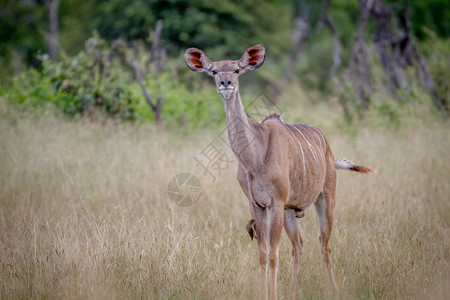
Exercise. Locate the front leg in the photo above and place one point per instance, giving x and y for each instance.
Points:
(275, 231)
(251, 224)
(262, 237)
(258, 227)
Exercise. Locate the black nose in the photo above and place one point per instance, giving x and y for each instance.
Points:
(223, 82)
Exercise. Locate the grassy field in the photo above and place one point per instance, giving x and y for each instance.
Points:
(84, 214)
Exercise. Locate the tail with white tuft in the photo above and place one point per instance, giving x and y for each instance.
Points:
(345, 164)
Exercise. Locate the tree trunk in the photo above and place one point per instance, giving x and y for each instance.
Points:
(440, 103)
(385, 42)
(337, 47)
(52, 7)
(300, 33)
(409, 53)
(359, 72)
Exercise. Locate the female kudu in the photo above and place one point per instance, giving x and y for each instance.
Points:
(283, 168)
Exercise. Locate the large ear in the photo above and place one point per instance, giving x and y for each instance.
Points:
(197, 61)
(253, 58)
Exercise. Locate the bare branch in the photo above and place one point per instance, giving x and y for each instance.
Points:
(359, 72)
(156, 107)
(411, 53)
(300, 34)
(155, 51)
(138, 74)
(384, 41)
(396, 53)
(337, 47)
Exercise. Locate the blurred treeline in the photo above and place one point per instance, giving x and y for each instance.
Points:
(125, 58)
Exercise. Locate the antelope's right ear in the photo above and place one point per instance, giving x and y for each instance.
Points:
(197, 61)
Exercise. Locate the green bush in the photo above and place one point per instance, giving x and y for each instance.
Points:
(92, 79)
(96, 80)
(30, 91)
(180, 105)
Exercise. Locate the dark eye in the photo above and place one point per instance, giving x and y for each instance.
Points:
(214, 72)
(236, 71)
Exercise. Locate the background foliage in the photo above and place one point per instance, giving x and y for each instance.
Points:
(88, 77)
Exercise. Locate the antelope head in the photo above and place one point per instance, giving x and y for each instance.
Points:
(226, 72)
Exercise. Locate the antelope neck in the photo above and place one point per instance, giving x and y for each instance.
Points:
(242, 133)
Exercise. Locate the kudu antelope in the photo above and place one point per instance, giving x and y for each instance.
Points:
(283, 169)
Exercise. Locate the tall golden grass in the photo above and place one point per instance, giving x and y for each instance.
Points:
(84, 214)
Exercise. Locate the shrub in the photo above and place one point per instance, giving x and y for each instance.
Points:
(96, 80)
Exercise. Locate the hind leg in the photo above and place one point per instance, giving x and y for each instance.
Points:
(291, 227)
(324, 205)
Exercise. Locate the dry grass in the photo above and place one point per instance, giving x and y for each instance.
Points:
(84, 214)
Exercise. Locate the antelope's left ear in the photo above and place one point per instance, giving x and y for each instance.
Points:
(197, 61)
(253, 58)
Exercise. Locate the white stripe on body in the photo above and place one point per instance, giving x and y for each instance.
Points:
(309, 144)
(301, 148)
(321, 137)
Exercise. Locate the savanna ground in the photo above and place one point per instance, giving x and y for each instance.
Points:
(84, 214)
